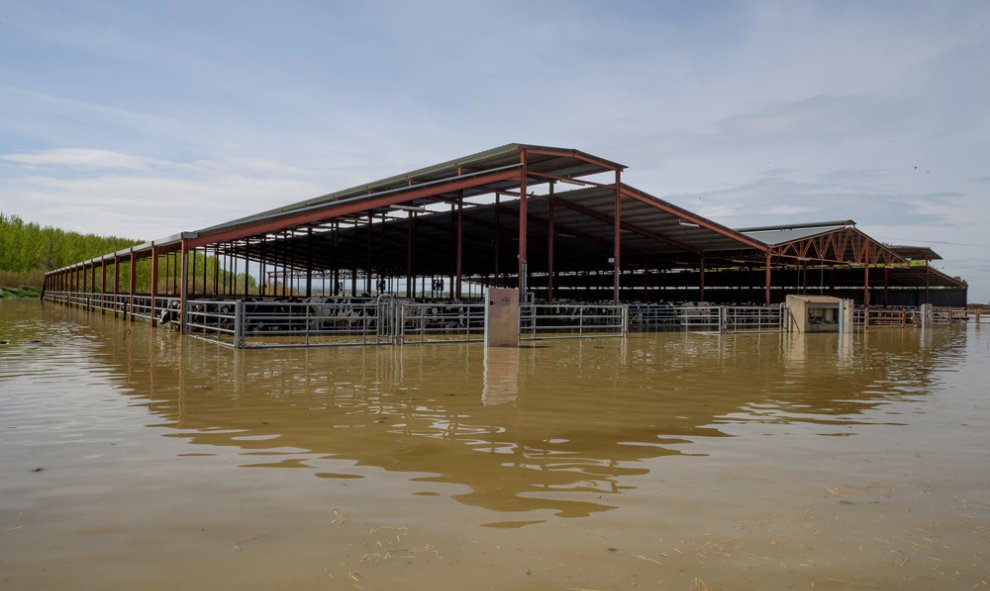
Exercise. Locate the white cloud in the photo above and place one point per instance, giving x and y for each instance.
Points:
(84, 158)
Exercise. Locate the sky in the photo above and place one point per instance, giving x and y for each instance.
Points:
(143, 119)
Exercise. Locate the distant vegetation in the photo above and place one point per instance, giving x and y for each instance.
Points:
(27, 247)
(28, 250)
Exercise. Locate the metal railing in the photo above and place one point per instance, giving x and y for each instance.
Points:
(545, 321)
(741, 318)
(424, 322)
(138, 306)
(335, 321)
(703, 316)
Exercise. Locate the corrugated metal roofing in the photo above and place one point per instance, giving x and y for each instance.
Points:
(775, 235)
(566, 162)
(920, 253)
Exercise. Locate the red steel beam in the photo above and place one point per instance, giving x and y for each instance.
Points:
(604, 217)
(563, 229)
(564, 179)
(577, 156)
(694, 219)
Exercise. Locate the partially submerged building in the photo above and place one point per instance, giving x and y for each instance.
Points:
(558, 224)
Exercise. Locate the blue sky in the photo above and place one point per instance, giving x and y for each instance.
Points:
(142, 119)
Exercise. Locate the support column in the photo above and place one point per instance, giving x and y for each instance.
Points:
(769, 260)
(498, 238)
(116, 285)
(247, 266)
(410, 247)
(460, 247)
(262, 277)
(701, 280)
(92, 285)
(154, 283)
(522, 227)
(132, 287)
(103, 286)
(617, 240)
(866, 281)
(551, 239)
(216, 270)
(886, 284)
(309, 262)
(183, 286)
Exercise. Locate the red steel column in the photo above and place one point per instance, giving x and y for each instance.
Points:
(154, 281)
(701, 283)
(522, 225)
(769, 257)
(885, 284)
(367, 271)
(498, 237)
(866, 281)
(551, 239)
(183, 285)
(116, 284)
(410, 245)
(92, 285)
(132, 287)
(460, 246)
(103, 286)
(617, 240)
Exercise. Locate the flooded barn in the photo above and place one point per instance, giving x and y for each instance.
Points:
(408, 259)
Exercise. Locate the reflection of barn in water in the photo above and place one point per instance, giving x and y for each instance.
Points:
(557, 445)
(407, 258)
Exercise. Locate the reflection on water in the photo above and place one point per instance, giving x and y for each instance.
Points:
(687, 432)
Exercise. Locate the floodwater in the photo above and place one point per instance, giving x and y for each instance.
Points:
(133, 459)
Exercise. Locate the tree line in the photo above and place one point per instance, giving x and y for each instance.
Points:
(28, 246)
(28, 250)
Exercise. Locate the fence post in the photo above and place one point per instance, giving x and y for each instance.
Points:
(238, 324)
(625, 320)
(723, 319)
(399, 322)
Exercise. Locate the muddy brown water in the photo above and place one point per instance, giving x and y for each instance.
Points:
(133, 459)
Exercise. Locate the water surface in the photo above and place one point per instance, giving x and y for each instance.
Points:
(136, 459)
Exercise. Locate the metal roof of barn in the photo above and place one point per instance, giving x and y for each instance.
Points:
(542, 162)
(776, 235)
(916, 253)
(834, 241)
